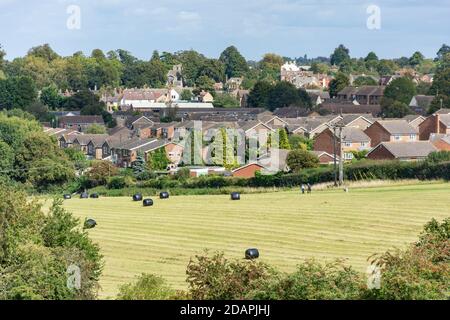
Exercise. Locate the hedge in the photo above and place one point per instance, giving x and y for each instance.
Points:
(364, 170)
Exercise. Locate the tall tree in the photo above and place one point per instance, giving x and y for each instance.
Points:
(445, 49)
(285, 94)
(44, 51)
(416, 59)
(17, 92)
(340, 55)
(235, 63)
(338, 83)
(401, 89)
(51, 98)
(259, 95)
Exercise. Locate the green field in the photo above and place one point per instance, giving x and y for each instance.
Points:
(286, 226)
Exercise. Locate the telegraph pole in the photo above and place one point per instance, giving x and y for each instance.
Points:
(341, 158)
(338, 172)
(335, 157)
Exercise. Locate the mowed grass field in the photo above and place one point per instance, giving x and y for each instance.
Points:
(286, 227)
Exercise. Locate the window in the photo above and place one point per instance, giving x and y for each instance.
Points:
(396, 137)
(348, 144)
(363, 144)
(348, 156)
(412, 137)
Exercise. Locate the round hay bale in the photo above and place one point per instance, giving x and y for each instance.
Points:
(164, 195)
(90, 224)
(252, 254)
(235, 196)
(84, 195)
(137, 197)
(67, 197)
(148, 202)
(94, 196)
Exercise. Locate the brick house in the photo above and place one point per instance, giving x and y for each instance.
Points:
(364, 95)
(308, 127)
(324, 157)
(126, 153)
(391, 131)
(440, 141)
(404, 151)
(123, 155)
(436, 123)
(420, 103)
(414, 120)
(354, 140)
(80, 123)
(163, 131)
(248, 171)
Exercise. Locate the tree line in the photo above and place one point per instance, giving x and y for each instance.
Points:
(42, 74)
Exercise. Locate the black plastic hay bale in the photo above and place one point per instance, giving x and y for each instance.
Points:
(235, 196)
(84, 195)
(252, 254)
(94, 196)
(164, 195)
(67, 197)
(90, 224)
(137, 197)
(148, 202)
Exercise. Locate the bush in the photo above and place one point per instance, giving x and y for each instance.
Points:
(315, 281)
(119, 182)
(439, 156)
(147, 287)
(301, 159)
(100, 172)
(216, 278)
(421, 272)
(37, 248)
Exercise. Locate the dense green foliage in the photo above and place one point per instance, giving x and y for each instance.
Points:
(30, 156)
(278, 95)
(147, 287)
(299, 159)
(37, 248)
(338, 83)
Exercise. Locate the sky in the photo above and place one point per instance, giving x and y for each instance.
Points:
(290, 28)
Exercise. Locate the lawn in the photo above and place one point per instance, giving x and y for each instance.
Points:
(286, 226)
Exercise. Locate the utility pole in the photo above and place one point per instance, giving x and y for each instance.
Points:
(335, 157)
(341, 158)
(338, 172)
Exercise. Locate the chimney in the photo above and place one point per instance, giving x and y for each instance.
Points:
(438, 123)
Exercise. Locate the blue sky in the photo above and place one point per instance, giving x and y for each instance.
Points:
(288, 27)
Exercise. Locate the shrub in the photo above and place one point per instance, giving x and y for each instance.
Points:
(301, 159)
(119, 182)
(314, 281)
(439, 156)
(421, 272)
(37, 248)
(100, 172)
(216, 278)
(146, 287)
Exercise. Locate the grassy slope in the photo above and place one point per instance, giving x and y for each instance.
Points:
(285, 226)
